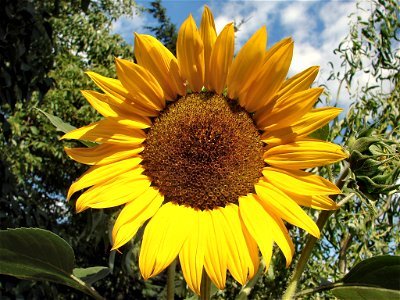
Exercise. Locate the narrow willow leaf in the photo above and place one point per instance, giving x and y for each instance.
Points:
(37, 254)
(63, 126)
(321, 133)
(57, 122)
(92, 274)
(364, 293)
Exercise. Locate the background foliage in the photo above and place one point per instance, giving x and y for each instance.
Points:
(55, 42)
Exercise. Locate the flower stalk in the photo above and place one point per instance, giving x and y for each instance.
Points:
(205, 287)
(171, 281)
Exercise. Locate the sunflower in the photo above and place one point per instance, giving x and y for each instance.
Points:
(209, 150)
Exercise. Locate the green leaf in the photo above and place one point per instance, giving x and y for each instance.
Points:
(92, 274)
(364, 293)
(321, 133)
(57, 122)
(380, 271)
(63, 126)
(37, 254)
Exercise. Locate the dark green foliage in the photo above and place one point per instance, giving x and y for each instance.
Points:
(25, 51)
(165, 31)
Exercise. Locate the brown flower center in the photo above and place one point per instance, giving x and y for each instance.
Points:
(203, 151)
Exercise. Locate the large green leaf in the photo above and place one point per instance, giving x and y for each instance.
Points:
(364, 293)
(37, 254)
(380, 271)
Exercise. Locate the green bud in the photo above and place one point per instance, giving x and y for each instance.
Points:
(375, 163)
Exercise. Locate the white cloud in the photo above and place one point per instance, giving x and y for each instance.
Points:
(254, 14)
(126, 26)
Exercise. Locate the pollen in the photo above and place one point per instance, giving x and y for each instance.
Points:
(203, 151)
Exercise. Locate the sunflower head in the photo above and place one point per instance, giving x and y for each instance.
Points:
(210, 148)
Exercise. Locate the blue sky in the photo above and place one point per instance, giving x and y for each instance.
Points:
(317, 27)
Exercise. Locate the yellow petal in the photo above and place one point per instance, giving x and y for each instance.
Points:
(257, 224)
(289, 110)
(110, 131)
(193, 250)
(247, 63)
(221, 59)
(119, 95)
(299, 82)
(133, 216)
(283, 206)
(307, 124)
(114, 192)
(262, 223)
(303, 154)
(141, 85)
(112, 87)
(317, 202)
(215, 259)
(240, 263)
(299, 182)
(253, 250)
(163, 238)
(269, 79)
(101, 103)
(162, 64)
(102, 154)
(190, 53)
(276, 47)
(100, 174)
(208, 35)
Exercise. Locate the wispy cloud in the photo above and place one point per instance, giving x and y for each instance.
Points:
(126, 26)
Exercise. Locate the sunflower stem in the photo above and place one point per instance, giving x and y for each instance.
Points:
(306, 253)
(205, 287)
(171, 281)
(304, 257)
